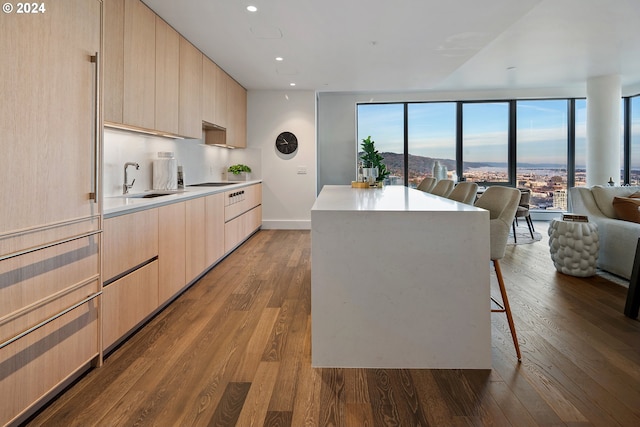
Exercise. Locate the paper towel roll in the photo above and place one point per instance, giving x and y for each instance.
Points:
(165, 172)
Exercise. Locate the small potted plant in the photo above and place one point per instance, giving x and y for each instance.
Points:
(374, 166)
(240, 172)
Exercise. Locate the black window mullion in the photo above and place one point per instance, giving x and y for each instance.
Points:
(627, 140)
(459, 160)
(511, 154)
(406, 144)
(571, 143)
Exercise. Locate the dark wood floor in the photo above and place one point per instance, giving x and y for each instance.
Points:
(235, 350)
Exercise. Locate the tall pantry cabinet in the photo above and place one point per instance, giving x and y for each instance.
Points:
(50, 214)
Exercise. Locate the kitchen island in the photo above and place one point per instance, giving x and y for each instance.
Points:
(399, 279)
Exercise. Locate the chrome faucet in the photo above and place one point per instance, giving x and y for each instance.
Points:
(126, 187)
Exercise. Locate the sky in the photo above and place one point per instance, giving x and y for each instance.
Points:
(541, 134)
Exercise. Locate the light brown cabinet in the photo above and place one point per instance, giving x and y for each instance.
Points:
(130, 61)
(130, 273)
(214, 228)
(113, 97)
(49, 216)
(127, 302)
(243, 214)
(236, 114)
(139, 102)
(195, 238)
(167, 77)
(209, 91)
(190, 93)
(129, 241)
(171, 250)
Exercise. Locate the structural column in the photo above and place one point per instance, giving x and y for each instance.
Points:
(603, 129)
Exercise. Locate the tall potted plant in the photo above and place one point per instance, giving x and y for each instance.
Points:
(373, 165)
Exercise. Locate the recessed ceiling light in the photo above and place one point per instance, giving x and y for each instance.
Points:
(279, 58)
(292, 84)
(252, 8)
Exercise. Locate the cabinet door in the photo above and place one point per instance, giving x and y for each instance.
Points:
(237, 115)
(214, 228)
(129, 240)
(48, 114)
(222, 81)
(190, 104)
(113, 57)
(171, 250)
(167, 77)
(139, 65)
(209, 84)
(127, 302)
(195, 238)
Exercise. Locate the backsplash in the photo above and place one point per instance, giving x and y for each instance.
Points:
(200, 162)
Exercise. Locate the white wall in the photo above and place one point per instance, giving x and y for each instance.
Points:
(201, 163)
(287, 196)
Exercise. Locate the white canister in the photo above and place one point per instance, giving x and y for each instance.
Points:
(165, 172)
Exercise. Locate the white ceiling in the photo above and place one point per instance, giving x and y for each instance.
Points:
(413, 45)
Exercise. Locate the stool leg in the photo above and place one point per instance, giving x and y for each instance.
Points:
(507, 308)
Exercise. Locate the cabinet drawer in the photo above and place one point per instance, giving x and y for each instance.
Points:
(34, 365)
(238, 229)
(39, 284)
(127, 301)
(241, 200)
(129, 240)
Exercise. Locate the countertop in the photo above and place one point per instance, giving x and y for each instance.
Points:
(391, 198)
(124, 204)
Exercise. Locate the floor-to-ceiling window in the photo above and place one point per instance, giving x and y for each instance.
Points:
(541, 159)
(580, 119)
(634, 138)
(485, 142)
(431, 136)
(384, 123)
(539, 144)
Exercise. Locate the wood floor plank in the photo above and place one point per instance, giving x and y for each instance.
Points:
(235, 349)
(256, 404)
(230, 405)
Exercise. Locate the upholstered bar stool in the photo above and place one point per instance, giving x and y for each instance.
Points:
(502, 203)
(464, 192)
(443, 188)
(427, 184)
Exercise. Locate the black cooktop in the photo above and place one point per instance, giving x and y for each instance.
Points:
(212, 184)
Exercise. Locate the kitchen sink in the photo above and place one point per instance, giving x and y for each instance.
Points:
(150, 195)
(212, 184)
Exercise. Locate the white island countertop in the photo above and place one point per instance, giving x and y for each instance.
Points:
(399, 279)
(391, 198)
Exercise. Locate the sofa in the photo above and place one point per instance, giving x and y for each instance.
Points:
(618, 237)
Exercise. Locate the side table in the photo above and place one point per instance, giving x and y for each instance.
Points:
(574, 247)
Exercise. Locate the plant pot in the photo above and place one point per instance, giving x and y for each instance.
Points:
(242, 176)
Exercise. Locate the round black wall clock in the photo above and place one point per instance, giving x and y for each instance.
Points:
(286, 143)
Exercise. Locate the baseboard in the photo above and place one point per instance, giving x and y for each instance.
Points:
(286, 224)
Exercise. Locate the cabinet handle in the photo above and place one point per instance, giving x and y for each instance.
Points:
(97, 127)
(48, 245)
(49, 320)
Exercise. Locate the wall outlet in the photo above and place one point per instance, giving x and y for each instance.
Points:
(302, 170)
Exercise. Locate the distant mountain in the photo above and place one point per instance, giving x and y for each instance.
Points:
(419, 164)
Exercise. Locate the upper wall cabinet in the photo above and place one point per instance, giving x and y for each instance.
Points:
(209, 91)
(167, 77)
(113, 60)
(130, 62)
(236, 114)
(190, 103)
